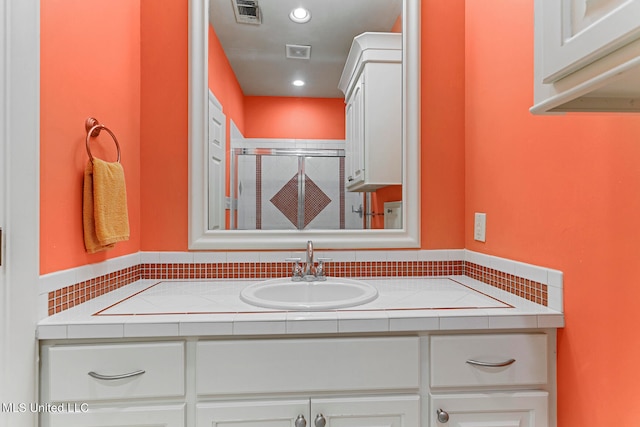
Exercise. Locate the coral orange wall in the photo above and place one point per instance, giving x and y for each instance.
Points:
(224, 85)
(397, 26)
(90, 66)
(442, 123)
(157, 166)
(164, 125)
(392, 193)
(562, 192)
(295, 118)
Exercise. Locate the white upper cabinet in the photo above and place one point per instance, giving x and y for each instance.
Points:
(578, 32)
(587, 55)
(372, 84)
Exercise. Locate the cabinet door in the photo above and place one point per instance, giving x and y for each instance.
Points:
(280, 413)
(86, 416)
(348, 151)
(392, 411)
(354, 154)
(507, 409)
(578, 32)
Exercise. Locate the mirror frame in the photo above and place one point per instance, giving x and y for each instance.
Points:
(201, 238)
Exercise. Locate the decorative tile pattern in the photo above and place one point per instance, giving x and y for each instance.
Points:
(315, 200)
(342, 197)
(70, 296)
(286, 200)
(525, 288)
(258, 192)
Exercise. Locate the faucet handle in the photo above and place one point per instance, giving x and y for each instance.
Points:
(296, 272)
(320, 269)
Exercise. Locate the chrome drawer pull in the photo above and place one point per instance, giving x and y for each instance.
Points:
(300, 421)
(491, 365)
(115, 377)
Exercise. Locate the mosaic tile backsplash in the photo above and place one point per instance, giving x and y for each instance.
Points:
(70, 296)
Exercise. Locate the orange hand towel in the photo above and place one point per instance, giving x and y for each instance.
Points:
(104, 207)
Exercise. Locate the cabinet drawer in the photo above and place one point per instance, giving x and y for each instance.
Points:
(119, 416)
(307, 365)
(505, 409)
(488, 360)
(73, 373)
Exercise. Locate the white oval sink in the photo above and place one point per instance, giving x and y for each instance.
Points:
(285, 294)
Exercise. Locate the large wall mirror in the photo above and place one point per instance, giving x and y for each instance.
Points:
(275, 189)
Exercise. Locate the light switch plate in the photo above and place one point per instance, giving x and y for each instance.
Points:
(480, 227)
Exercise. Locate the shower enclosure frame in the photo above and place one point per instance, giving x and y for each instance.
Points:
(301, 153)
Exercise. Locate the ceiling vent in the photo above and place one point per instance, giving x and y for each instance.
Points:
(297, 51)
(247, 12)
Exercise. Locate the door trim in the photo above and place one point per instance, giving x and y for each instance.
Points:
(20, 111)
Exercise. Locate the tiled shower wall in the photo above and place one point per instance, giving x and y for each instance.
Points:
(63, 290)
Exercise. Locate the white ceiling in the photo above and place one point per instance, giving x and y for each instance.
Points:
(257, 52)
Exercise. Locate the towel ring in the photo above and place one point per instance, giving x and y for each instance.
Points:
(93, 129)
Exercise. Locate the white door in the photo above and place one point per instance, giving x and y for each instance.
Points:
(515, 409)
(19, 205)
(391, 411)
(277, 413)
(216, 149)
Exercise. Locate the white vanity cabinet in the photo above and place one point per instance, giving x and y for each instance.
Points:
(306, 365)
(119, 416)
(412, 379)
(113, 385)
(390, 411)
(486, 380)
(372, 84)
(253, 413)
(587, 55)
(513, 409)
(343, 382)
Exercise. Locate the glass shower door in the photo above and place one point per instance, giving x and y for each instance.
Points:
(279, 189)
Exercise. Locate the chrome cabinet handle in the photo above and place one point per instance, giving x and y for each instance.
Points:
(300, 421)
(320, 421)
(115, 377)
(443, 416)
(489, 364)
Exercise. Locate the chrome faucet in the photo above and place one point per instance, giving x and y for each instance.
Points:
(308, 272)
(309, 269)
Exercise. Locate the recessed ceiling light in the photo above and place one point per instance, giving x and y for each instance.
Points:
(297, 83)
(300, 15)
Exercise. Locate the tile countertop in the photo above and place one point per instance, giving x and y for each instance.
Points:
(179, 308)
